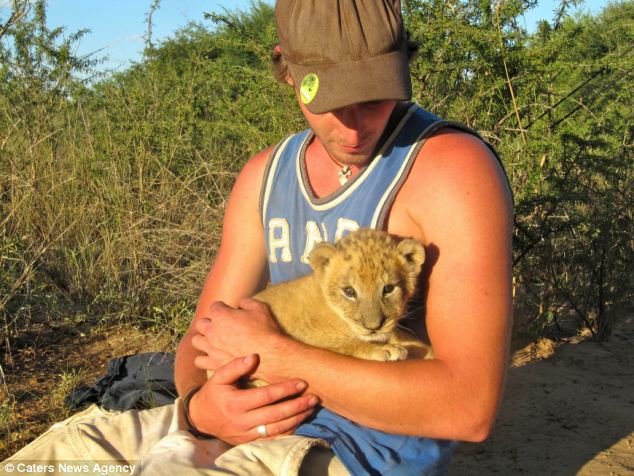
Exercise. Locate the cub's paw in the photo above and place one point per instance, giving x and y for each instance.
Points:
(389, 352)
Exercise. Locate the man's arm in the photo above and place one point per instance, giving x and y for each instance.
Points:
(239, 269)
(220, 408)
(456, 201)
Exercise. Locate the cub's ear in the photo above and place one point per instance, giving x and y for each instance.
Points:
(321, 255)
(414, 254)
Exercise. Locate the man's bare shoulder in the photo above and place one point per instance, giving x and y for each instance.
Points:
(249, 182)
(457, 155)
(252, 173)
(455, 173)
(457, 166)
(243, 204)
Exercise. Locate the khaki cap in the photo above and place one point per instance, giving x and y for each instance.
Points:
(342, 52)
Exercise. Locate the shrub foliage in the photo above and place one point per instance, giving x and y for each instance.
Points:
(112, 186)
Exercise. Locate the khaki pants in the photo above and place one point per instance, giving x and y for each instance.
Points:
(156, 442)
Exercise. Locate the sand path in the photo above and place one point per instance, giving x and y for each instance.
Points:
(568, 409)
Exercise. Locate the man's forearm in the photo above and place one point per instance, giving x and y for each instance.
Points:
(415, 397)
(186, 374)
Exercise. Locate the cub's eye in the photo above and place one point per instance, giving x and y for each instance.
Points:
(387, 289)
(349, 292)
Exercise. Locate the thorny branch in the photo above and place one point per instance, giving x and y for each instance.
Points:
(18, 10)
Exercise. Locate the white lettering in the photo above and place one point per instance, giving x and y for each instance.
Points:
(345, 226)
(33, 468)
(113, 468)
(72, 468)
(313, 236)
(280, 238)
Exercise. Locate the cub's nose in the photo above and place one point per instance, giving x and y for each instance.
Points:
(374, 323)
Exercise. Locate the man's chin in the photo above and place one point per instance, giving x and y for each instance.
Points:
(353, 157)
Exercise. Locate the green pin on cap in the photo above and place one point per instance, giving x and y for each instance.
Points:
(309, 87)
(344, 52)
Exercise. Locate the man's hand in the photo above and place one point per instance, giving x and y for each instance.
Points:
(232, 414)
(229, 333)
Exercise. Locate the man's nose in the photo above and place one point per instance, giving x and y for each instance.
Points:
(351, 116)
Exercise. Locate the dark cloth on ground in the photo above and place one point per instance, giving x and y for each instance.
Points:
(131, 382)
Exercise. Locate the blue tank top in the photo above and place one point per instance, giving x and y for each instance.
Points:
(294, 220)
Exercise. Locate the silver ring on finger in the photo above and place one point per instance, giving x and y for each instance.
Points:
(262, 431)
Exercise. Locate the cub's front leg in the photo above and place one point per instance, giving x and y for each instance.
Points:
(382, 352)
(415, 348)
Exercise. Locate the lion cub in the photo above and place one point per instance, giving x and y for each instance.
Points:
(353, 300)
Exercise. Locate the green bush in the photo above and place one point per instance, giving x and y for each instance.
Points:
(112, 191)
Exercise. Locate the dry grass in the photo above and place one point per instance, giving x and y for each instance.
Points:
(49, 362)
(103, 252)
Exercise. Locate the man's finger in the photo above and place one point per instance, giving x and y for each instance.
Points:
(262, 396)
(282, 410)
(282, 427)
(199, 342)
(219, 306)
(249, 304)
(202, 324)
(203, 362)
(207, 362)
(233, 371)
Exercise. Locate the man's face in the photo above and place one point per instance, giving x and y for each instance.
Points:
(350, 134)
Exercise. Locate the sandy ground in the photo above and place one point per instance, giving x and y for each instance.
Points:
(568, 409)
(32, 385)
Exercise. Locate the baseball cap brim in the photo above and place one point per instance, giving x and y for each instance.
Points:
(383, 77)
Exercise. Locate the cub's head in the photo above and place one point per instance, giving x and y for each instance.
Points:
(367, 278)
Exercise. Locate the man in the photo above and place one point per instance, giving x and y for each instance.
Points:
(369, 160)
(348, 66)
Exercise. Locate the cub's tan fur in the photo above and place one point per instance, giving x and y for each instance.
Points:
(353, 300)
